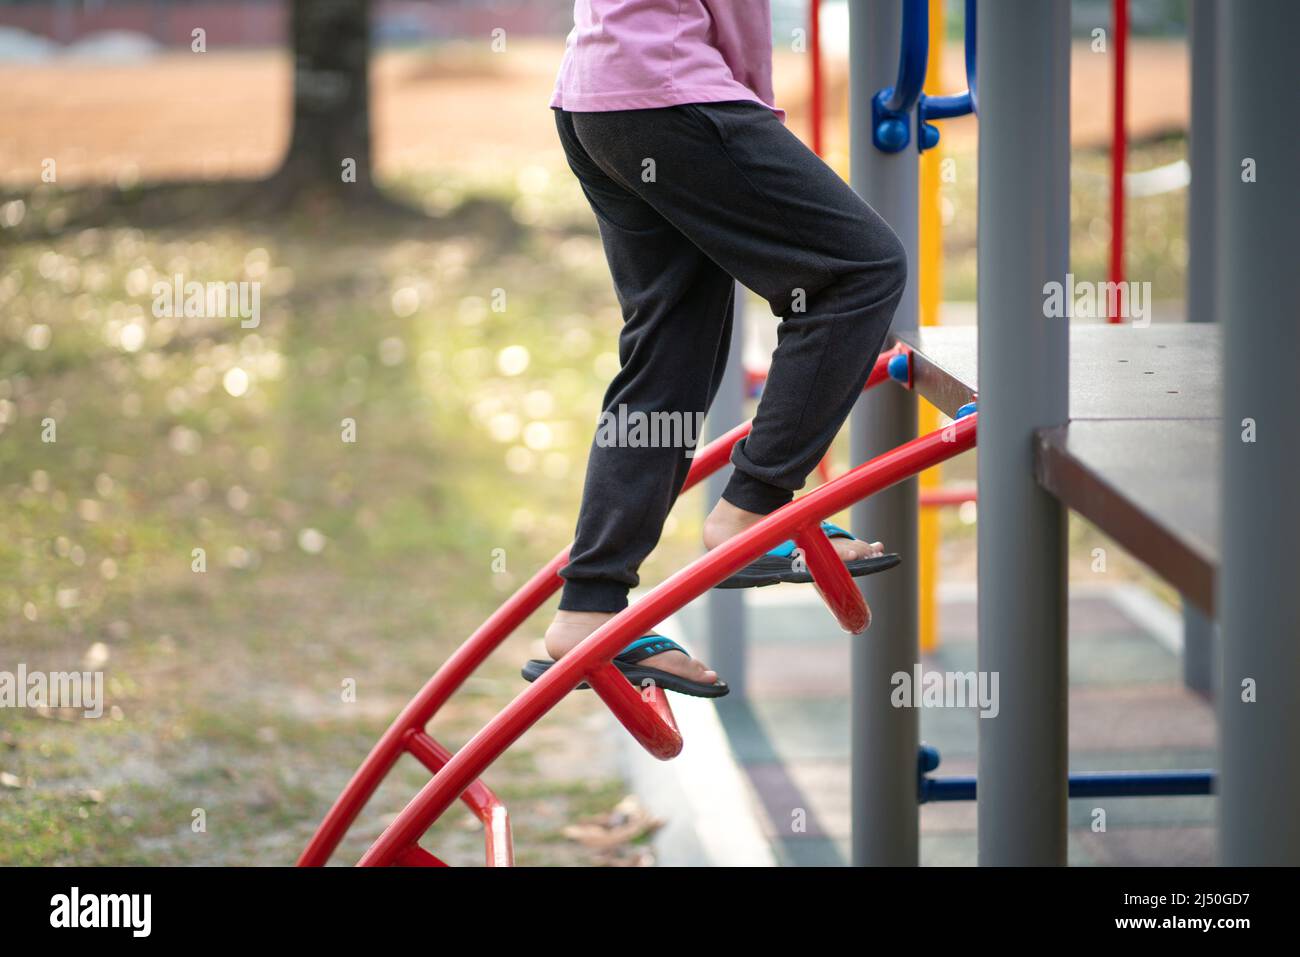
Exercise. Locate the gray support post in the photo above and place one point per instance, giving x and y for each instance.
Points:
(1258, 601)
(884, 739)
(726, 607)
(1200, 642)
(1199, 634)
(1024, 243)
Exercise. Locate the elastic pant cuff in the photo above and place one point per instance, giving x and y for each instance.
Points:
(593, 595)
(753, 495)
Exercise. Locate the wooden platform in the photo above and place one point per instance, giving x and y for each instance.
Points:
(1140, 456)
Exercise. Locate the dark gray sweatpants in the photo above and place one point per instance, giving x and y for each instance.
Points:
(688, 198)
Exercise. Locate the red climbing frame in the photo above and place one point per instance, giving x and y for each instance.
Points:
(644, 712)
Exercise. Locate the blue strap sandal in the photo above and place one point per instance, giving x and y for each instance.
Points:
(778, 565)
(628, 662)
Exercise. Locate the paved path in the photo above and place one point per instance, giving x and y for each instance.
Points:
(1128, 711)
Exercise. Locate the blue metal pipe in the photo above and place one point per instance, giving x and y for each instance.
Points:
(914, 51)
(891, 106)
(1096, 784)
(970, 55)
(947, 107)
(1141, 783)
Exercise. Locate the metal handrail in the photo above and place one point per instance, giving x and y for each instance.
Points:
(1085, 784)
(891, 106)
(948, 107)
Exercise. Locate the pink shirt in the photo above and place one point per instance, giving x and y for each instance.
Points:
(640, 54)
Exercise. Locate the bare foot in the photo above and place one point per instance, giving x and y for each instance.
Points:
(571, 627)
(726, 521)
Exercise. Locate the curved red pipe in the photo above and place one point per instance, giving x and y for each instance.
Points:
(661, 602)
(467, 658)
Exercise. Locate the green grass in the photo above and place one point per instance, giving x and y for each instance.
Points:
(1154, 226)
(326, 562)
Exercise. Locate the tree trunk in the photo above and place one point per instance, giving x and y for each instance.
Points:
(329, 155)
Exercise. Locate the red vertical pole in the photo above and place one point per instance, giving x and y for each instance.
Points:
(1118, 150)
(817, 111)
(815, 65)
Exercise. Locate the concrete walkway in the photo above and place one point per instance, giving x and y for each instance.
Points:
(790, 740)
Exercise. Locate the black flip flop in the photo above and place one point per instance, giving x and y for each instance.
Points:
(627, 660)
(778, 566)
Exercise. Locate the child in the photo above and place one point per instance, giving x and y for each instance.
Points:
(666, 114)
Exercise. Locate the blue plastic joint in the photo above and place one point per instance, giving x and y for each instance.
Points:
(927, 760)
(900, 369)
(891, 107)
(966, 410)
(888, 128)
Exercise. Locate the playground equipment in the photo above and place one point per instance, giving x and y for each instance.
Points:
(816, 87)
(893, 107)
(1118, 141)
(932, 495)
(1062, 429)
(1092, 785)
(644, 712)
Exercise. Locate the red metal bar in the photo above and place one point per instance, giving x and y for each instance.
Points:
(416, 856)
(424, 705)
(643, 711)
(824, 472)
(487, 807)
(709, 459)
(939, 497)
(453, 673)
(499, 626)
(879, 372)
(685, 586)
(817, 106)
(833, 581)
(1118, 152)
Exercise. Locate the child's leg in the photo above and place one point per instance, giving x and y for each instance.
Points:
(677, 308)
(762, 207)
(743, 188)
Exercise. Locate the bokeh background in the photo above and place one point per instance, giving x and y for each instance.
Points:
(453, 302)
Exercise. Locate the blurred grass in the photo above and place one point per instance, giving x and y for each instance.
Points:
(326, 561)
(1155, 227)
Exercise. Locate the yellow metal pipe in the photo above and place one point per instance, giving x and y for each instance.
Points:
(930, 293)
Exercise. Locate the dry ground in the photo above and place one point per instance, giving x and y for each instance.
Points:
(183, 116)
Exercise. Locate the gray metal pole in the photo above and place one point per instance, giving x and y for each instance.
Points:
(884, 740)
(1258, 601)
(1200, 639)
(1202, 228)
(726, 607)
(1200, 645)
(1024, 242)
